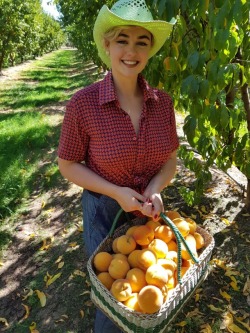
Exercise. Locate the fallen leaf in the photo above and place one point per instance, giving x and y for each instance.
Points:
(41, 297)
(246, 289)
(27, 309)
(225, 295)
(30, 293)
(73, 244)
(235, 329)
(213, 308)
(58, 259)
(4, 321)
(206, 328)
(226, 221)
(182, 323)
(51, 279)
(60, 265)
(82, 313)
(80, 273)
(33, 328)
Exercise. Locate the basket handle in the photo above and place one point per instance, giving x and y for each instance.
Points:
(179, 239)
(119, 213)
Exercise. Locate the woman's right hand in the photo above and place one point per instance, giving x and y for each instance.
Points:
(129, 199)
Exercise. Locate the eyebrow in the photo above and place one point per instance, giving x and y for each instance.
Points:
(140, 37)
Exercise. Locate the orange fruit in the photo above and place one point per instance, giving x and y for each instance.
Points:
(172, 214)
(143, 235)
(125, 244)
(106, 279)
(150, 299)
(132, 302)
(156, 275)
(159, 247)
(121, 290)
(164, 233)
(137, 280)
(102, 261)
(132, 258)
(145, 259)
(118, 268)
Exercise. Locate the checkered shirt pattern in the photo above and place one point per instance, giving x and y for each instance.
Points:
(97, 131)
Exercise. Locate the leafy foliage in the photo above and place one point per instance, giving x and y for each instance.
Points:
(204, 66)
(26, 31)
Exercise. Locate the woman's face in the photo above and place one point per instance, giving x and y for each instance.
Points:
(129, 51)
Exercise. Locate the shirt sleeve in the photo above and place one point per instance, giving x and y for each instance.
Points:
(73, 143)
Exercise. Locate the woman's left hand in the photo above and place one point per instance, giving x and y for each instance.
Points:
(153, 205)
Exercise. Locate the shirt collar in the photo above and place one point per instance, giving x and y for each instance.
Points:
(107, 90)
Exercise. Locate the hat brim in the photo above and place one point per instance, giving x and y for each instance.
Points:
(106, 20)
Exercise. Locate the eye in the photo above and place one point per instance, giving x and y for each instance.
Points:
(121, 41)
(142, 43)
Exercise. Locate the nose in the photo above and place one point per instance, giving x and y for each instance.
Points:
(131, 49)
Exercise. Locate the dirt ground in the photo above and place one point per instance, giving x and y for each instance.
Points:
(53, 222)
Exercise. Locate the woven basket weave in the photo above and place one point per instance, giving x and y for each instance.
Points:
(131, 321)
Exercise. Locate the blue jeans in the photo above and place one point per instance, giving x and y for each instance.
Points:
(98, 215)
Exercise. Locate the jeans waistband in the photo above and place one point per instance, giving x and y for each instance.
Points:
(95, 194)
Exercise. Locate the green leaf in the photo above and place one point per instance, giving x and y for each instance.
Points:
(193, 60)
(204, 89)
(224, 116)
(190, 86)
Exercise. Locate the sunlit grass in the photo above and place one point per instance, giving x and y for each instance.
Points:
(29, 136)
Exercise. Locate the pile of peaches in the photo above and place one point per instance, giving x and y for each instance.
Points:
(141, 271)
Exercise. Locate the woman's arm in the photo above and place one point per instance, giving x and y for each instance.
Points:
(154, 205)
(82, 176)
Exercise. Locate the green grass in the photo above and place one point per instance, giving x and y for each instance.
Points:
(30, 129)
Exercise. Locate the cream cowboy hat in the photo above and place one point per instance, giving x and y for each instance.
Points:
(129, 12)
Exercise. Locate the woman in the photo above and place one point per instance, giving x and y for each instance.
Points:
(118, 138)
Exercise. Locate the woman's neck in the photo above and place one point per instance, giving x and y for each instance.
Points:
(126, 86)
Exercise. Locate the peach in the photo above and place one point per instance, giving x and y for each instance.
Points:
(169, 265)
(159, 247)
(132, 302)
(132, 258)
(172, 214)
(106, 279)
(146, 258)
(114, 245)
(153, 224)
(102, 261)
(172, 255)
(191, 242)
(192, 225)
(164, 233)
(182, 226)
(150, 299)
(131, 230)
(120, 256)
(136, 278)
(200, 242)
(125, 244)
(172, 246)
(121, 290)
(118, 268)
(143, 235)
(156, 275)
(172, 282)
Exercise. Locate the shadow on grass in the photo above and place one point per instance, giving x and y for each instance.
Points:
(54, 81)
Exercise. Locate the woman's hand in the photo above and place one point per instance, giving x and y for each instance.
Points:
(128, 199)
(153, 205)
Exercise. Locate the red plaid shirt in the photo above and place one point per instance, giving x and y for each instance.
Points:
(97, 131)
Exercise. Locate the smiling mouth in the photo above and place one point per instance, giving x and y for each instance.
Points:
(130, 62)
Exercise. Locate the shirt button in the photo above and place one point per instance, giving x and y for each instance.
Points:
(134, 138)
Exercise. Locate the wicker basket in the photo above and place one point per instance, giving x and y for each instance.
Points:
(131, 321)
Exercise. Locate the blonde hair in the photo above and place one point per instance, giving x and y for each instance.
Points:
(114, 32)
